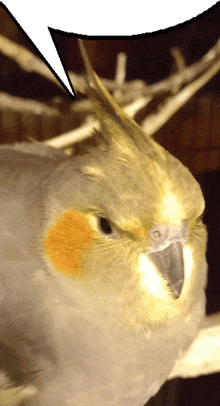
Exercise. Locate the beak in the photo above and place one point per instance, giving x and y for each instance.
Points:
(170, 263)
(166, 252)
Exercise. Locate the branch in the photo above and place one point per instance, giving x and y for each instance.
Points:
(185, 75)
(86, 130)
(155, 121)
(132, 95)
(203, 357)
(26, 106)
(120, 73)
(31, 63)
(207, 67)
(26, 59)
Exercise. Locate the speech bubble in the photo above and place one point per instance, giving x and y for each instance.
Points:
(96, 19)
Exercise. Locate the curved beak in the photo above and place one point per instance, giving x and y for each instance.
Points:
(170, 263)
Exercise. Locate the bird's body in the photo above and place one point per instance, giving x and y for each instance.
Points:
(92, 315)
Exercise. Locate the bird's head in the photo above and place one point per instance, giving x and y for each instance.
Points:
(124, 220)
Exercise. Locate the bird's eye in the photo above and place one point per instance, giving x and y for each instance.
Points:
(105, 226)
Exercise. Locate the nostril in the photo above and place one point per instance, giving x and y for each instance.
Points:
(156, 234)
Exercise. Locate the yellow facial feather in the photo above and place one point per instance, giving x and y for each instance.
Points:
(152, 281)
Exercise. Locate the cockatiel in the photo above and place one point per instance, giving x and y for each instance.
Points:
(103, 265)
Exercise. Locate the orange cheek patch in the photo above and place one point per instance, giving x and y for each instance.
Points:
(65, 242)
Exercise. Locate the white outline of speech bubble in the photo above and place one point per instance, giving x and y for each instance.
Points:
(119, 18)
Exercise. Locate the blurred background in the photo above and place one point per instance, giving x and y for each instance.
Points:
(32, 107)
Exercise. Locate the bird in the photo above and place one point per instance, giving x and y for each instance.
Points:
(103, 263)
